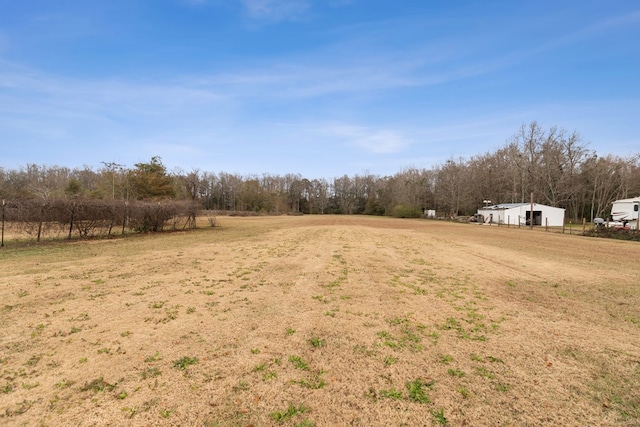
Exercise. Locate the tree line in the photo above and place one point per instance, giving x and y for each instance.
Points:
(552, 163)
(90, 217)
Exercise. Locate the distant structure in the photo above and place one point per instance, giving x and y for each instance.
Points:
(521, 214)
(430, 213)
(626, 212)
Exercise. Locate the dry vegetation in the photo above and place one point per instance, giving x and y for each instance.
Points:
(322, 320)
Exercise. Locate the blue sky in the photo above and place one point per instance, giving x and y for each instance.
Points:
(317, 87)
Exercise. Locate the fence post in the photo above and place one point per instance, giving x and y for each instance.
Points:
(124, 216)
(584, 226)
(73, 211)
(3, 204)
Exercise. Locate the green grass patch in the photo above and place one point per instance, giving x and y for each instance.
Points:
(299, 363)
(438, 417)
(184, 362)
(317, 342)
(98, 384)
(417, 390)
(289, 413)
(391, 393)
(456, 373)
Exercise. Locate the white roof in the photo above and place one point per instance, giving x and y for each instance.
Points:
(505, 206)
(502, 206)
(633, 199)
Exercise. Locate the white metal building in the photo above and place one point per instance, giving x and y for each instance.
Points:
(519, 214)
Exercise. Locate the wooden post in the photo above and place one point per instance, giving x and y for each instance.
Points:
(73, 210)
(3, 205)
(546, 224)
(563, 226)
(508, 220)
(584, 226)
(124, 216)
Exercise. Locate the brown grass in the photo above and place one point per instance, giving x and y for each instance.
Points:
(322, 320)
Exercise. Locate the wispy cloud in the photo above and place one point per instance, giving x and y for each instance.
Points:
(26, 85)
(630, 18)
(377, 141)
(98, 118)
(331, 73)
(276, 10)
(562, 40)
(306, 81)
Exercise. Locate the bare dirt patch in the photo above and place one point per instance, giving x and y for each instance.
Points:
(322, 320)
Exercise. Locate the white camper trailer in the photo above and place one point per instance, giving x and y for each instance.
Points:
(626, 211)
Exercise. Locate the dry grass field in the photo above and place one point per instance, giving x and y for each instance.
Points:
(322, 321)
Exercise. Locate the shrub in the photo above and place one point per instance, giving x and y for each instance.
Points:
(405, 211)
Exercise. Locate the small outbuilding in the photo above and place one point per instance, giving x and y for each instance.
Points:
(521, 214)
